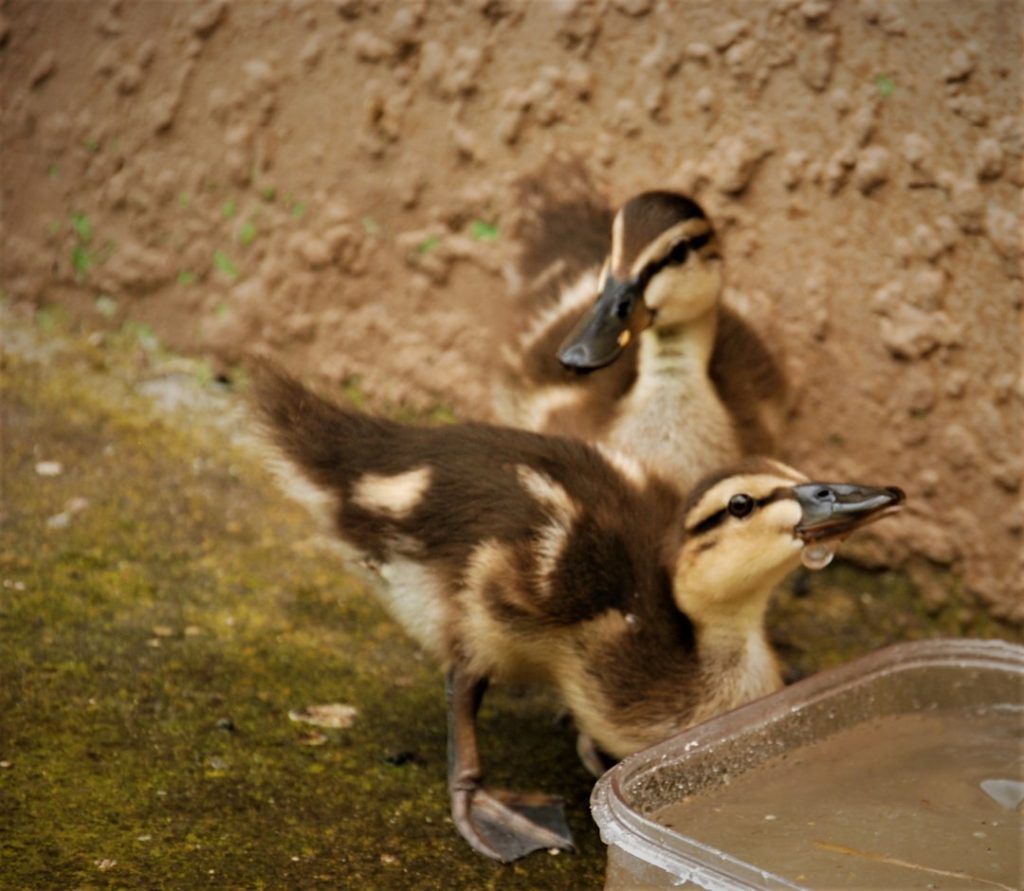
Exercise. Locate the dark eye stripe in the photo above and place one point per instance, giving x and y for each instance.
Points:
(719, 516)
(655, 266)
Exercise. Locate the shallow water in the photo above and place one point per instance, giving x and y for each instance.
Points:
(896, 802)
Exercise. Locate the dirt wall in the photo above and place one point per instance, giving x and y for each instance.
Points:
(335, 181)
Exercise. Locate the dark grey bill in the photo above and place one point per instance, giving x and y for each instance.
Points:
(831, 509)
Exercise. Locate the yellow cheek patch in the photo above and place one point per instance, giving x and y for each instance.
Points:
(624, 337)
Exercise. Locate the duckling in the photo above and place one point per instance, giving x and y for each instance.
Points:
(690, 387)
(512, 555)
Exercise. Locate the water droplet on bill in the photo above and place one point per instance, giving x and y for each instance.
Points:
(817, 556)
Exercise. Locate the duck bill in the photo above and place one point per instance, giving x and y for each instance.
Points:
(604, 332)
(834, 510)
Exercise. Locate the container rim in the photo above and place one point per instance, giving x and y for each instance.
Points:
(623, 826)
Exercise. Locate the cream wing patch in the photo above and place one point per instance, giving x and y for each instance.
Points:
(396, 496)
(554, 535)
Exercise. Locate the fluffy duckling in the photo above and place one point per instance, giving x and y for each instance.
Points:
(689, 387)
(513, 555)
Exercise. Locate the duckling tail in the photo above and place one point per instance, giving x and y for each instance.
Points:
(326, 443)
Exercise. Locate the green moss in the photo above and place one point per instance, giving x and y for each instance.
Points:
(153, 649)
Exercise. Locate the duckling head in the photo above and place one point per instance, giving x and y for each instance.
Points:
(664, 270)
(745, 531)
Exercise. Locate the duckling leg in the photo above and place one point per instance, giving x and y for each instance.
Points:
(497, 823)
(594, 760)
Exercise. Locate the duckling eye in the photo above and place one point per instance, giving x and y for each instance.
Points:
(741, 506)
(679, 253)
(623, 308)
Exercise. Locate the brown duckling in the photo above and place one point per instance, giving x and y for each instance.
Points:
(639, 354)
(513, 555)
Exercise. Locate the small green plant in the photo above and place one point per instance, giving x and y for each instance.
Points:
(247, 233)
(203, 373)
(886, 85)
(53, 171)
(225, 264)
(229, 209)
(442, 415)
(427, 245)
(222, 310)
(81, 259)
(143, 333)
(298, 210)
(106, 306)
(353, 390)
(370, 225)
(82, 226)
(185, 277)
(48, 318)
(268, 194)
(184, 199)
(484, 231)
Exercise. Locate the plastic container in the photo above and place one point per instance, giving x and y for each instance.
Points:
(901, 769)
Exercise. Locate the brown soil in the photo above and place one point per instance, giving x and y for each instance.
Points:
(335, 182)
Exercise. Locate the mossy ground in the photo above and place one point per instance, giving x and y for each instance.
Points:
(153, 646)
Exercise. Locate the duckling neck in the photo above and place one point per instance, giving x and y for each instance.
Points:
(684, 346)
(739, 666)
(736, 662)
(673, 417)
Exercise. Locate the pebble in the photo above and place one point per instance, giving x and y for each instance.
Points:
(311, 53)
(871, 168)
(129, 78)
(970, 108)
(886, 14)
(207, 17)
(816, 60)
(62, 520)
(635, 8)
(732, 164)
(698, 51)
(134, 266)
(49, 468)
(348, 9)
(45, 67)
(724, 36)
(911, 333)
(862, 123)
(968, 204)
(926, 241)
(988, 158)
(107, 61)
(260, 74)
(926, 288)
(404, 28)
(368, 47)
(335, 715)
(310, 248)
(961, 63)
(948, 231)
(1002, 227)
(916, 149)
(959, 447)
(705, 98)
(956, 383)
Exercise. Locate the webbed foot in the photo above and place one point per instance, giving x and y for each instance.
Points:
(506, 825)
